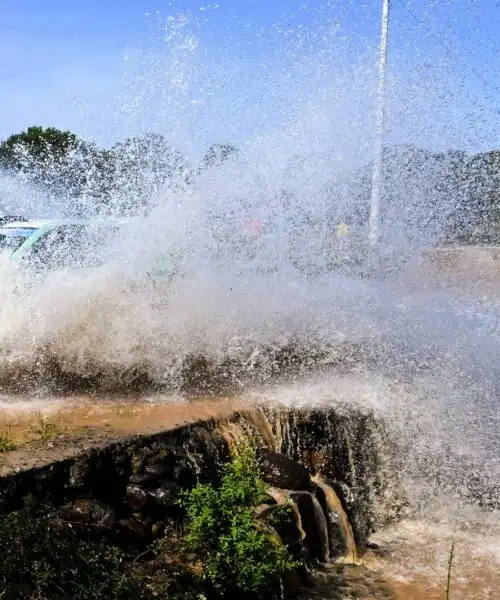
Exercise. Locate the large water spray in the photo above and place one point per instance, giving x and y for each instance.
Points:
(244, 311)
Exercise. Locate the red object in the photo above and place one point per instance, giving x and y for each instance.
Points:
(255, 226)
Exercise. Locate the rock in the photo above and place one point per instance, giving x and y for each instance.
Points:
(142, 474)
(292, 583)
(263, 511)
(287, 524)
(358, 509)
(157, 470)
(314, 524)
(90, 512)
(160, 501)
(166, 495)
(135, 530)
(78, 472)
(158, 529)
(361, 520)
(289, 528)
(137, 498)
(269, 500)
(349, 446)
(179, 465)
(144, 480)
(280, 471)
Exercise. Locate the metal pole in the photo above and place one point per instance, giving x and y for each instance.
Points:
(380, 126)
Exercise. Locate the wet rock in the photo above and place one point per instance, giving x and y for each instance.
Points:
(266, 507)
(280, 471)
(89, 512)
(143, 474)
(158, 470)
(160, 501)
(137, 462)
(78, 472)
(269, 500)
(292, 583)
(137, 498)
(144, 480)
(349, 446)
(358, 509)
(314, 524)
(263, 511)
(158, 529)
(361, 521)
(285, 520)
(179, 465)
(166, 495)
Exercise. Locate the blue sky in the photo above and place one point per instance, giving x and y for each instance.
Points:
(232, 69)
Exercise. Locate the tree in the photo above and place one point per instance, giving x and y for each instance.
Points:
(144, 167)
(128, 178)
(50, 158)
(481, 203)
(37, 145)
(217, 154)
(91, 182)
(421, 195)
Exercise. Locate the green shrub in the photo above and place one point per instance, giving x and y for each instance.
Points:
(240, 556)
(225, 552)
(6, 445)
(42, 558)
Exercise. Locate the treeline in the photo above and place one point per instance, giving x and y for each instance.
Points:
(125, 178)
(452, 192)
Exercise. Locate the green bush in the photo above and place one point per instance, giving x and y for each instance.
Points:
(240, 557)
(42, 558)
(225, 552)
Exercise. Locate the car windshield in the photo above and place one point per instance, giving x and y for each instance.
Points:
(71, 245)
(11, 238)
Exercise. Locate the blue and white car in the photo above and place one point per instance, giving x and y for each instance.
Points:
(55, 243)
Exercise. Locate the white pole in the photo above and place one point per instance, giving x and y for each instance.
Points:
(380, 126)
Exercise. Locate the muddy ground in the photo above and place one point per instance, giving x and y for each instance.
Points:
(58, 428)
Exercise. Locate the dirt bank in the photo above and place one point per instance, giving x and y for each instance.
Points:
(35, 435)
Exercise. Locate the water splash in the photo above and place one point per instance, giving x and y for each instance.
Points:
(302, 121)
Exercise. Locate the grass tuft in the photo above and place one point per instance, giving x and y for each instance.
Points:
(450, 566)
(7, 444)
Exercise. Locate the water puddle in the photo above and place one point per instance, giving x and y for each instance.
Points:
(416, 556)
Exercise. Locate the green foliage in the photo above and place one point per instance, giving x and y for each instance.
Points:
(225, 552)
(42, 558)
(6, 443)
(239, 556)
(37, 143)
(50, 158)
(281, 515)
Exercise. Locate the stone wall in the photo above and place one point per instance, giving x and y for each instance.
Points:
(335, 467)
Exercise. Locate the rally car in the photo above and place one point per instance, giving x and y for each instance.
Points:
(54, 243)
